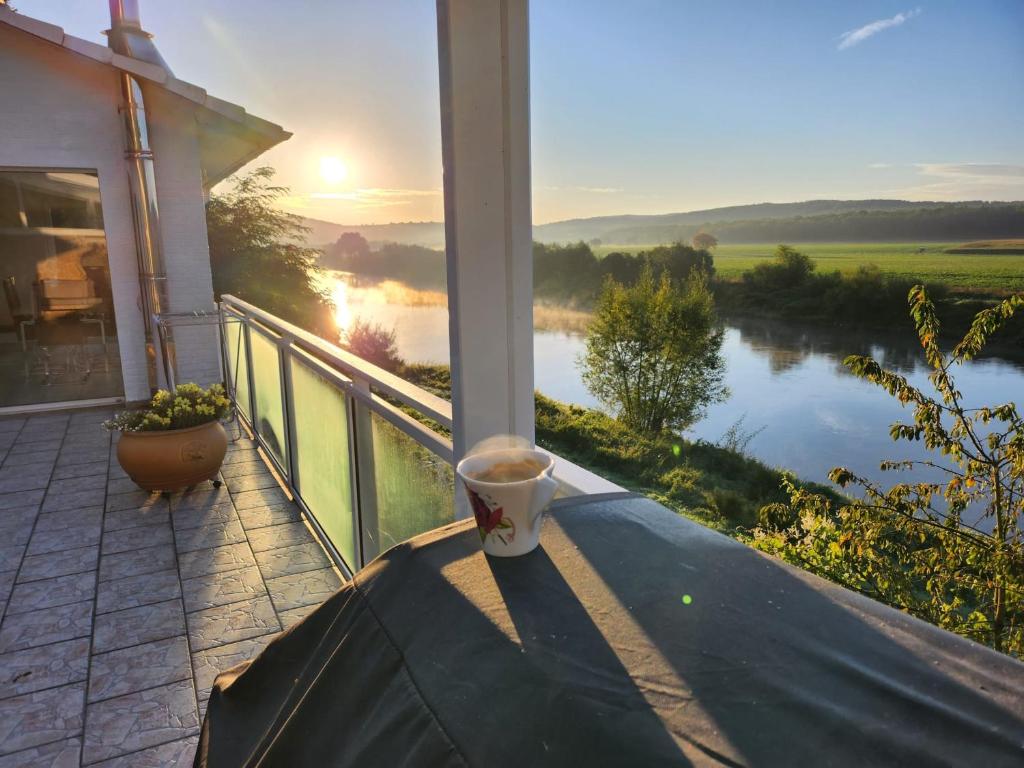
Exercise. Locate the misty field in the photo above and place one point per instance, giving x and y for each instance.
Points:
(989, 273)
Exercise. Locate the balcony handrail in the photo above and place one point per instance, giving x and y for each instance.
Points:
(436, 408)
(368, 390)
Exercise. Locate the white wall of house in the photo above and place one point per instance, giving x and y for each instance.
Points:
(174, 139)
(59, 110)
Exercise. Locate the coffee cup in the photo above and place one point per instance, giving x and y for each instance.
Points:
(508, 490)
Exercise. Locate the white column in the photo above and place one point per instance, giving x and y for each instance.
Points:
(174, 136)
(483, 48)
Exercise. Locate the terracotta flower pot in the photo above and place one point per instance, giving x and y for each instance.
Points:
(173, 459)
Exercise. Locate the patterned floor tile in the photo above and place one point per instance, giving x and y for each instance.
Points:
(16, 534)
(200, 499)
(133, 591)
(292, 617)
(137, 720)
(254, 482)
(10, 556)
(145, 560)
(261, 498)
(222, 588)
(137, 499)
(80, 470)
(289, 560)
(154, 514)
(74, 484)
(49, 625)
(46, 455)
(41, 717)
(211, 662)
(44, 542)
(118, 485)
(209, 536)
(91, 497)
(50, 593)
(22, 499)
(6, 585)
(17, 518)
(242, 455)
(176, 754)
(59, 754)
(203, 562)
(300, 589)
(229, 623)
(276, 536)
(132, 626)
(194, 518)
(261, 517)
(139, 667)
(132, 539)
(33, 669)
(60, 564)
(243, 468)
(69, 518)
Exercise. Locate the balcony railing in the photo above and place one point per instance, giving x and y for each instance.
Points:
(366, 454)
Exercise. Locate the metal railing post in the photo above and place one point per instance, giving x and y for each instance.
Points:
(365, 476)
(254, 418)
(284, 343)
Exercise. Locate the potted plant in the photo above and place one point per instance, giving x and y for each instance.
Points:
(177, 441)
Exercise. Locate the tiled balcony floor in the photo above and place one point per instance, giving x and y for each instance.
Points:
(120, 607)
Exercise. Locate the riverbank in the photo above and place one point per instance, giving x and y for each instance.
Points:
(717, 486)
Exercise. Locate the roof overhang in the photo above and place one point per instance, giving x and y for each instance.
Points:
(229, 137)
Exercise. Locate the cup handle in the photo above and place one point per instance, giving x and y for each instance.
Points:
(543, 493)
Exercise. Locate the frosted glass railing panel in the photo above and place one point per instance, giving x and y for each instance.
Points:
(237, 365)
(411, 491)
(266, 379)
(323, 473)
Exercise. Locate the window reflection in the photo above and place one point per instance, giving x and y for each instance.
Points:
(58, 338)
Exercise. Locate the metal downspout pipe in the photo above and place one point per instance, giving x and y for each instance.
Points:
(126, 37)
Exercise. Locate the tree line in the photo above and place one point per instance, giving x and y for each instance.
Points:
(956, 221)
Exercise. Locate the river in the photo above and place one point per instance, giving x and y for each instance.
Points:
(786, 380)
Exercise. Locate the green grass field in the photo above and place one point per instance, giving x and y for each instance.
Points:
(984, 273)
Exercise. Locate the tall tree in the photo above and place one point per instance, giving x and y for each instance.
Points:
(653, 351)
(255, 253)
(704, 241)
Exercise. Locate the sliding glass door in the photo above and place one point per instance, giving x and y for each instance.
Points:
(58, 338)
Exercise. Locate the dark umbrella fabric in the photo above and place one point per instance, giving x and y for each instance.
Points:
(630, 637)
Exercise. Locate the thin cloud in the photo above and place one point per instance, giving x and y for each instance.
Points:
(971, 170)
(859, 35)
(362, 199)
(965, 181)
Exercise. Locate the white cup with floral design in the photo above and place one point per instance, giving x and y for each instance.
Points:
(508, 490)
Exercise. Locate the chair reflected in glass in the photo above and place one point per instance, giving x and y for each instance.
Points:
(62, 310)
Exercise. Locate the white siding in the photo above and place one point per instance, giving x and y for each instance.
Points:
(59, 110)
(174, 139)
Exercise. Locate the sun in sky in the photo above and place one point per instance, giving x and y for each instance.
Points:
(333, 169)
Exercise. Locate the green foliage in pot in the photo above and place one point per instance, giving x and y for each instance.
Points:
(189, 406)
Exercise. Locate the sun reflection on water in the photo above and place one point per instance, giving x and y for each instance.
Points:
(342, 310)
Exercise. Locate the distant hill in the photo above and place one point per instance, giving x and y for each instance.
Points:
(429, 234)
(810, 221)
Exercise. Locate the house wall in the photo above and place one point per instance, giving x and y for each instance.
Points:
(59, 110)
(174, 139)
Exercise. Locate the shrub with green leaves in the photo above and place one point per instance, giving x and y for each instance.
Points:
(910, 545)
(189, 406)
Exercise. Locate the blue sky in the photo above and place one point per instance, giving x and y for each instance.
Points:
(641, 107)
